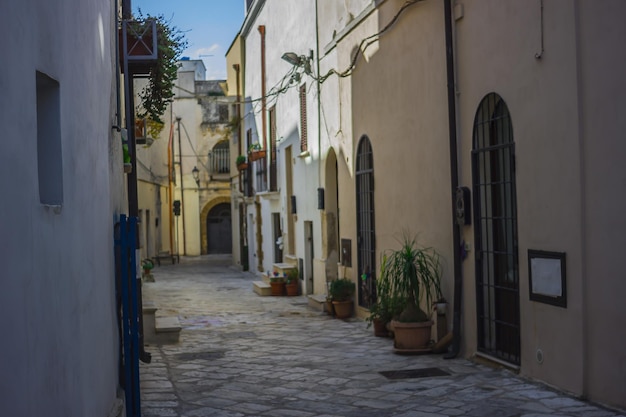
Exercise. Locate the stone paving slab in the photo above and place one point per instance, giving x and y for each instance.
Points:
(242, 355)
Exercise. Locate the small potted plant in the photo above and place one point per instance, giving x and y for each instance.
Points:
(255, 152)
(241, 162)
(386, 306)
(341, 292)
(277, 283)
(128, 166)
(147, 266)
(291, 284)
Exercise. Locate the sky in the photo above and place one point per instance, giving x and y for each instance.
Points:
(210, 26)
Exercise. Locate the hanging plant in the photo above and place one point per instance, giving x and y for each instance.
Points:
(158, 93)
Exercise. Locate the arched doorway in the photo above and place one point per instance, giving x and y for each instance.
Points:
(365, 223)
(495, 233)
(218, 229)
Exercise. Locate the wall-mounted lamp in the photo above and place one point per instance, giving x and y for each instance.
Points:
(299, 60)
(196, 175)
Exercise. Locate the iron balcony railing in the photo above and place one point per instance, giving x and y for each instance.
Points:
(219, 161)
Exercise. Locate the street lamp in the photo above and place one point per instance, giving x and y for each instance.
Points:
(196, 175)
(299, 61)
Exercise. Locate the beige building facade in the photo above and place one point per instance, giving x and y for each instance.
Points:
(188, 163)
(518, 105)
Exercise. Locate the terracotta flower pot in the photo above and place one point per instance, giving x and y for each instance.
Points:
(329, 307)
(256, 155)
(343, 309)
(412, 337)
(278, 288)
(292, 289)
(380, 328)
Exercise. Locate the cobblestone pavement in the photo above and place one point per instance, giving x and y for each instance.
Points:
(244, 355)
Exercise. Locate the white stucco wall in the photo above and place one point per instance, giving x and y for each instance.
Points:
(57, 289)
(296, 34)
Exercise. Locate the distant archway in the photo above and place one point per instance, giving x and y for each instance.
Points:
(216, 226)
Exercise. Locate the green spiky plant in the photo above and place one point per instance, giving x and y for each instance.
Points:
(414, 274)
(387, 306)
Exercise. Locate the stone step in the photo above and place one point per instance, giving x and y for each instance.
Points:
(167, 329)
(148, 307)
(262, 288)
(317, 302)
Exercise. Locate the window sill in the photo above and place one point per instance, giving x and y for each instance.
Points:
(270, 195)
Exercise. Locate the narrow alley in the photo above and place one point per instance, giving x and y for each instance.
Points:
(240, 354)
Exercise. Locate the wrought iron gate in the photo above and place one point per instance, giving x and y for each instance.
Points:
(366, 236)
(495, 211)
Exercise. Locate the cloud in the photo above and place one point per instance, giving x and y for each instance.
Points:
(210, 50)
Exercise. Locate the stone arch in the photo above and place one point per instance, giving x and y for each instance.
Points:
(203, 223)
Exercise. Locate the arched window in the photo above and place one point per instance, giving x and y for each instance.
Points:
(219, 158)
(497, 277)
(365, 223)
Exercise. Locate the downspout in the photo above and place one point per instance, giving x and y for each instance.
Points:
(236, 67)
(182, 186)
(169, 184)
(126, 10)
(454, 180)
(319, 98)
(263, 101)
(118, 82)
(238, 114)
(259, 239)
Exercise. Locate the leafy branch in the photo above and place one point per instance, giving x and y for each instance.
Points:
(159, 91)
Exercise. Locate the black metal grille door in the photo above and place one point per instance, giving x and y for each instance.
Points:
(365, 223)
(495, 211)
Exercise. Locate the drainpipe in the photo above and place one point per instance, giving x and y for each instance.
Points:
(263, 101)
(237, 68)
(182, 186)
(118, 82)
(454, 179)
(170, 165)
(126, 10)
(238, 110)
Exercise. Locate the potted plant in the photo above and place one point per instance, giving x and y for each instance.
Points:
(241, 162)
(341, 292)
(414, 274)
(128, 166)
(147, 266)
(277, 283)
(291, 283)
(385, 307)
(157, 94)
(255, 152)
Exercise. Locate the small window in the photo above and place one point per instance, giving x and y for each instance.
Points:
(49, 152)
(219, 158)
